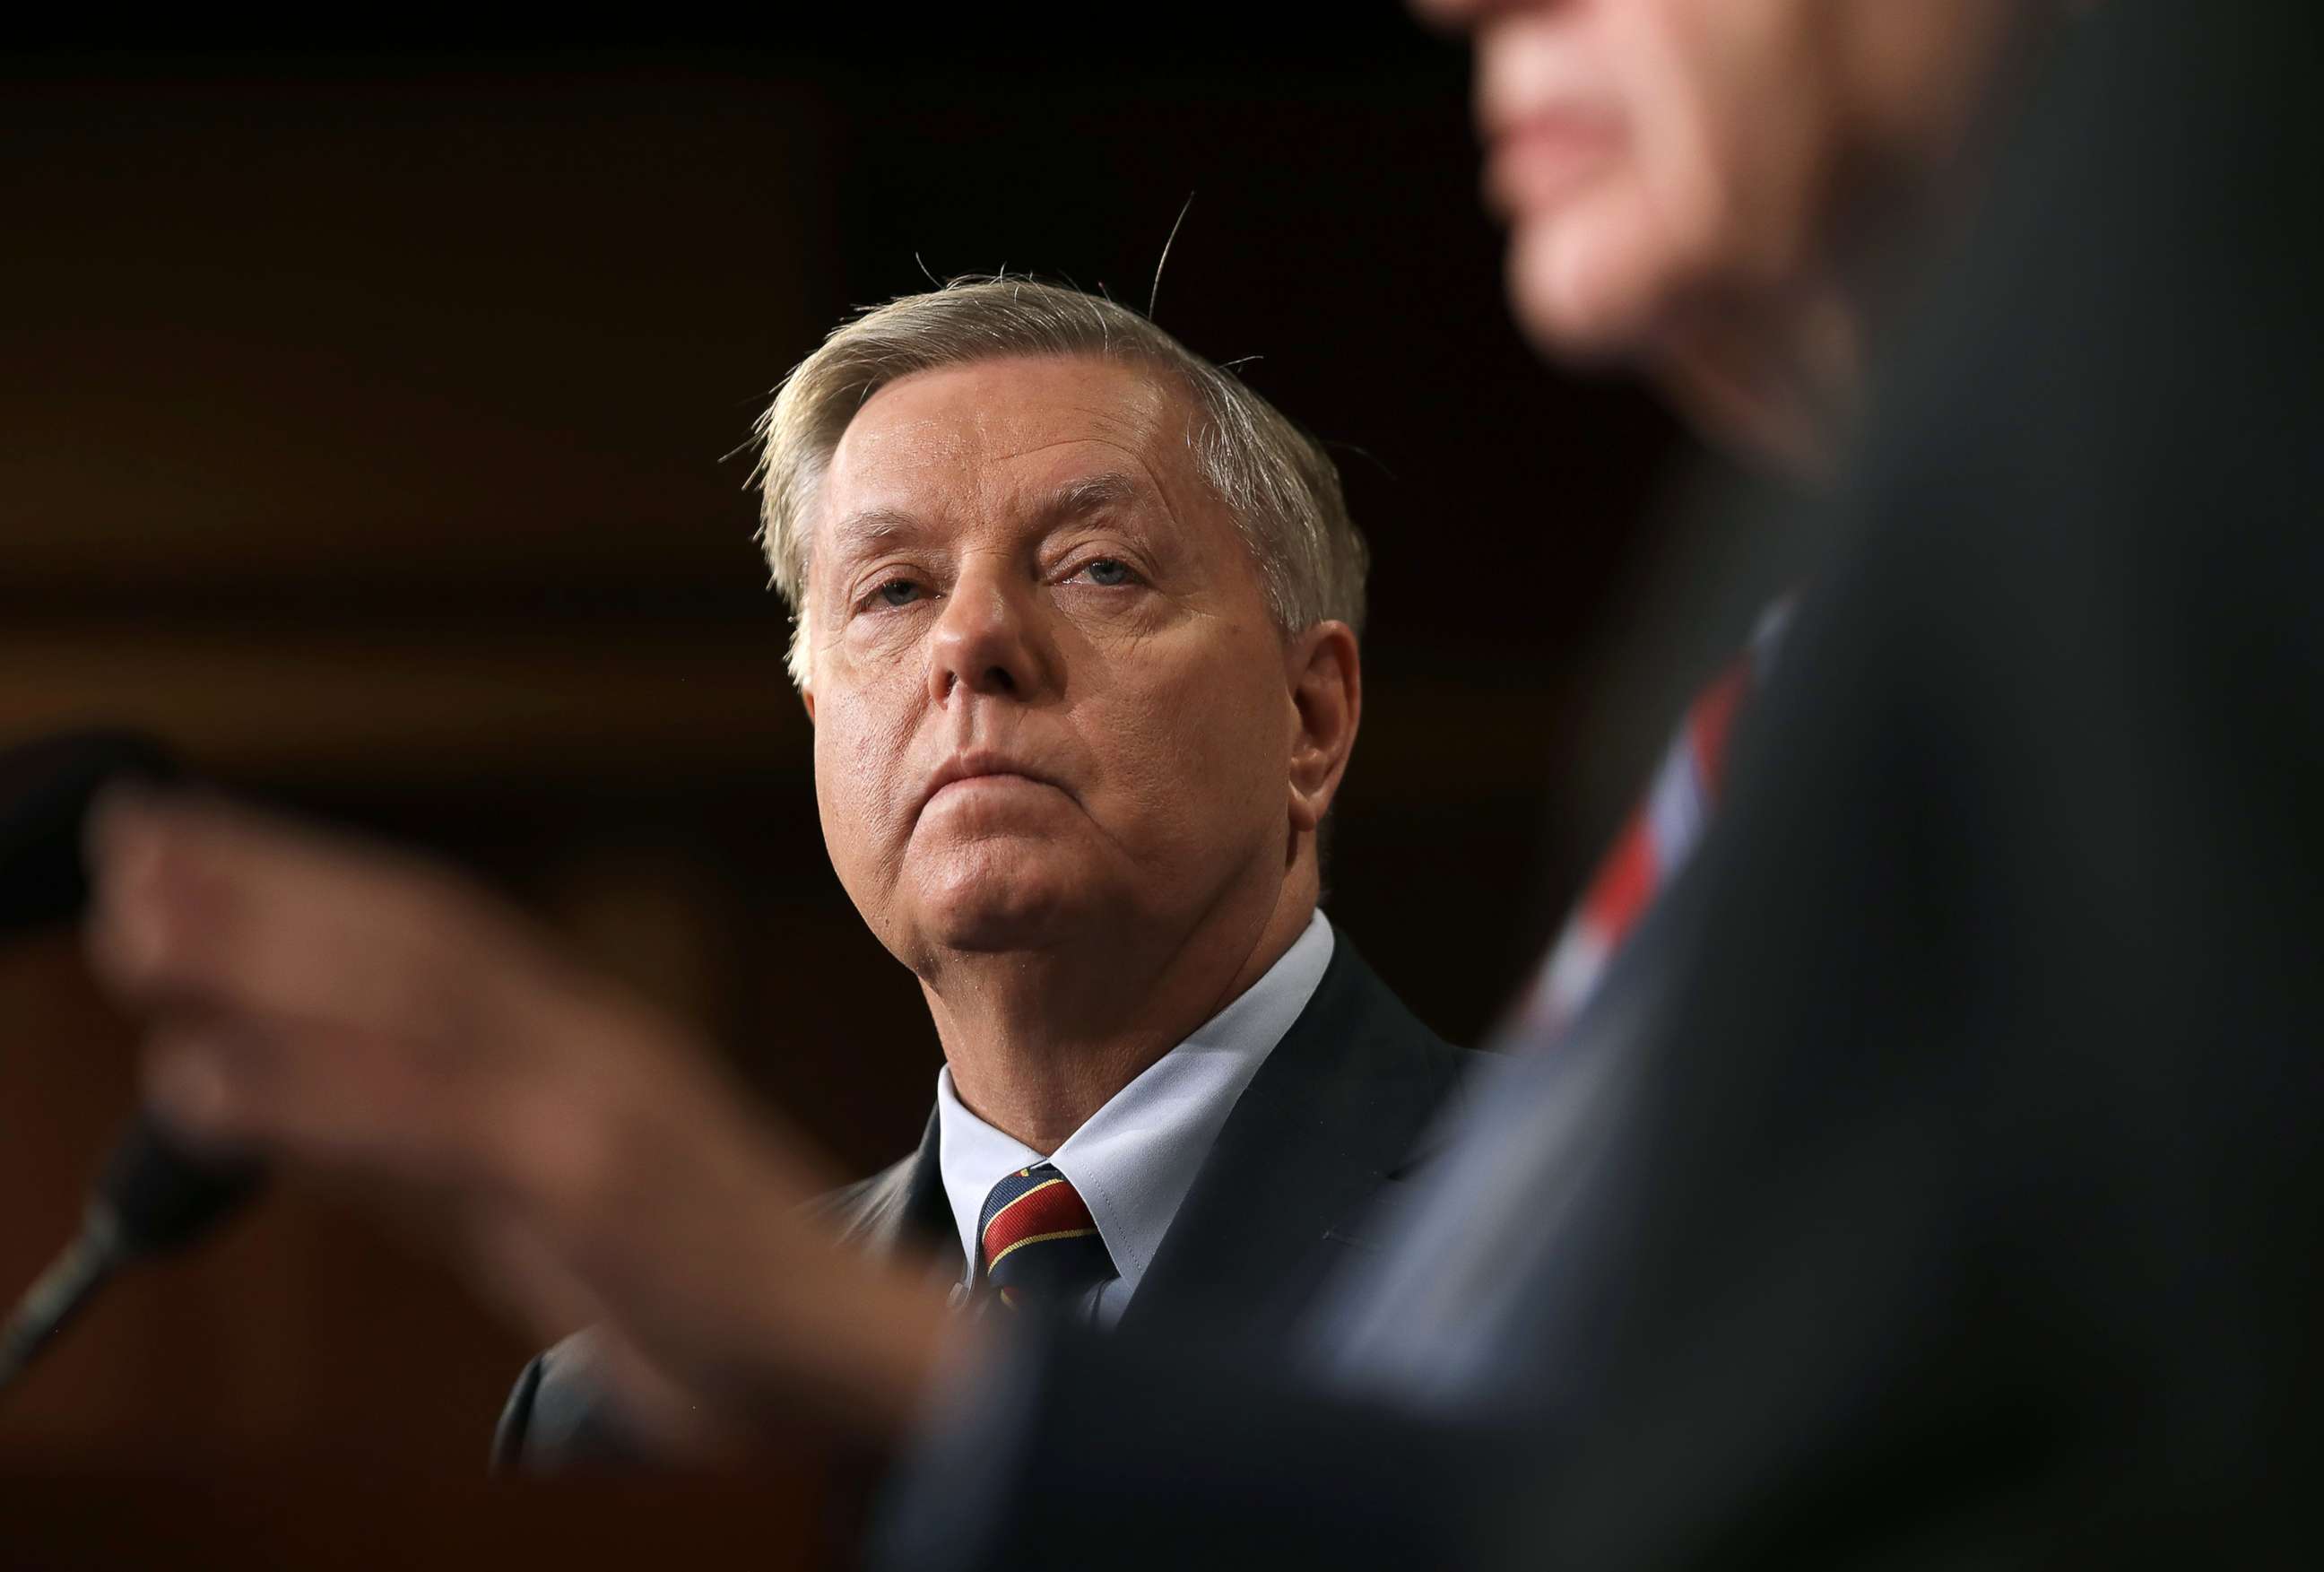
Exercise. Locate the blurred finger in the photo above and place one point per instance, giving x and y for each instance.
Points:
(199, 900)
(331, 1098)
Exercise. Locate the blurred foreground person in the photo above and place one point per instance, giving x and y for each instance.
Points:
(1928, 1180)
(1076, 624)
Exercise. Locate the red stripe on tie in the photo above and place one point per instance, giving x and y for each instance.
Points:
(1053, 1209)
(1711, 721)
(1625, 882)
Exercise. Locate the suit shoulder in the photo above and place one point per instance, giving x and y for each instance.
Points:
(559, 1417)
(854, 1209)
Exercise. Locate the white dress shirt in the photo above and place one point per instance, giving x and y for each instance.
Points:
(1134, 1159)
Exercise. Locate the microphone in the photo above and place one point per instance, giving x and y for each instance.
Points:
(46, 787)
(153, 1194)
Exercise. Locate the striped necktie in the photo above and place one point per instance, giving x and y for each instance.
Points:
(1659, 837)
(1036, 1242)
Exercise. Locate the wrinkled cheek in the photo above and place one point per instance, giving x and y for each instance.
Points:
(1205, 778)
(861, 795)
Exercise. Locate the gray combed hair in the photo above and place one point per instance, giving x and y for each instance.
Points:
(1277, 482)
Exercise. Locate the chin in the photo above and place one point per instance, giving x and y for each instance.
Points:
(1581, 289)
(997, 898)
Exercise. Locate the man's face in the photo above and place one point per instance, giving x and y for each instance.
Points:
(1661, 160)
(1018, 578)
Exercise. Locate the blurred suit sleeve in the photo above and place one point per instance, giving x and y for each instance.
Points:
(1958, 1204)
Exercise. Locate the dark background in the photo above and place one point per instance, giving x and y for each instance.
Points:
(365, 416)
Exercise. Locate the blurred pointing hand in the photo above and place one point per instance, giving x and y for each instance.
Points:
(347, 1007)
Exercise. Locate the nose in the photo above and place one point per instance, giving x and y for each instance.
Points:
(986, 641)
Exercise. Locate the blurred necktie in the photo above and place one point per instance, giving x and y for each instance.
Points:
(1656, 840)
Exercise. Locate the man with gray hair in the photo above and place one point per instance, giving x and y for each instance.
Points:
(1076, 623)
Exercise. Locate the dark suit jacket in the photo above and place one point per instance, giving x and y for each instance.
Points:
(1333, 1116)
(1959, 1201)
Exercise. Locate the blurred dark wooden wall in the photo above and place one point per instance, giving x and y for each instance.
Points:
(363, 424)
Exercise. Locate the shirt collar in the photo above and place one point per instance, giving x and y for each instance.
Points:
(1134, 1159)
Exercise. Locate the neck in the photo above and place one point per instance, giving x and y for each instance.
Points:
(1040, 1040)
(1774, 380)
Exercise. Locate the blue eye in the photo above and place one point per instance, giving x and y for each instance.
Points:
(1107, 571)
(898, 592)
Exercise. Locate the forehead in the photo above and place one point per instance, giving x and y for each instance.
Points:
(981, 436)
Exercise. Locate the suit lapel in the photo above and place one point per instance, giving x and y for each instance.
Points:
(1331, 1117)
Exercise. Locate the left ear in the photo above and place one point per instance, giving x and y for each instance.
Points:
(1327, 695)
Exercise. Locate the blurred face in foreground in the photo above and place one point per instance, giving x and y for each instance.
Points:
(1679, 176)
(1051, 708)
